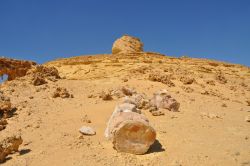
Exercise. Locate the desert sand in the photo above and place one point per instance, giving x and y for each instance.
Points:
(210, 128)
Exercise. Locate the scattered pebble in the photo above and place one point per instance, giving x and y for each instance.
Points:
(247, 118)
(210, 115)
(224, 105)
(158, 113)
(106, 96)
(87, 130)
(86, 119)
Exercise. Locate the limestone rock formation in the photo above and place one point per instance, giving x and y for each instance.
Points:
(9, 145)
(129, 130)
(14, 68)
(127, 44)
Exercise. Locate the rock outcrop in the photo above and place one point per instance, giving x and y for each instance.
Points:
(127, 44)
(158, 77)
(40, 74)
(5, 109)
(14, 68)
(9, 145)
(5, 105)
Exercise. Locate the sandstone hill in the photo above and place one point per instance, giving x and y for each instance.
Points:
(49, 103)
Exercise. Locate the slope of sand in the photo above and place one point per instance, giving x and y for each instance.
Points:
(209, 129)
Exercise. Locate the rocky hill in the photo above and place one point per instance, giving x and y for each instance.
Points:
(49, 103)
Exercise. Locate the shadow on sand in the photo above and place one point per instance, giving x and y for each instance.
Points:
(156, 147)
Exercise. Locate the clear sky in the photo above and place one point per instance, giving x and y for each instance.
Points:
(42, 30)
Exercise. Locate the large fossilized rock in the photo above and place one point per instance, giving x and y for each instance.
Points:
(14, 68)
(129, 130)
(162, 99)
(9, 145)
(127, 44)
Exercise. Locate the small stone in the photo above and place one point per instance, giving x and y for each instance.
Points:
(247, 118)
(187, 80)
(157, 113)
(106, 96)
(125, 80)
(224, 105)
(176, 163)
(90, 96)
(212, 116)
(248, 102)
(62, 92)
(86, 119)
(87, 130)
(152, 109)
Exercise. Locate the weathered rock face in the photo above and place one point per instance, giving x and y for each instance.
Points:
(129, 130)
(41, 74)
(14, 68)
(162, 99)
(9, 145)
(127, 44)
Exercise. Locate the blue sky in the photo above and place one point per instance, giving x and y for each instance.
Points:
(43, 30)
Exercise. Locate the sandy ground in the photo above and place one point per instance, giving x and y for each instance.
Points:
(209, 129)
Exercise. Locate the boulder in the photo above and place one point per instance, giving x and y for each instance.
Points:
(127, 44)
(162, 99)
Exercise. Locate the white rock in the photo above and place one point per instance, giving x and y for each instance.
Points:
(87, 130)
